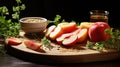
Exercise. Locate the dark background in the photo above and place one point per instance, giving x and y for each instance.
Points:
(77, 10)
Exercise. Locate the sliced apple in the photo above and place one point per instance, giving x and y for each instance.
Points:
(56, 33)
(49, 30)
(62, 37)
(13, 41)
(68, 27)
(76, 31)
(32, 45)
(70, 41)
(86, 24)
(82, 35)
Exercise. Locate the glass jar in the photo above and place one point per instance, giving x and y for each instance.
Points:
(99, 16)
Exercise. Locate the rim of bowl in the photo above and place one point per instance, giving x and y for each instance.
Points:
(22, 19)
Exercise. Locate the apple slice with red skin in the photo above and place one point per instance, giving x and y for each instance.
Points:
(56, 33)
(76, 31)
(70, 41)
(62, 37)
(49, 30)
(82, 35)
(68, 27)
(13, 41)
(32, 45)
(67, 35)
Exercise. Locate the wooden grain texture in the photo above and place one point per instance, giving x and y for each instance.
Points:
(59, 54)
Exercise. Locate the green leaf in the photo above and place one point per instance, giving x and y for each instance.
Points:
(22, 7)
(15, 15)
(46, 42)
(9, 21)
(16, 8)
(2, 19)
(18, 1)
(89, 44)
(99, 46)
(63, 20)
(57, 18)
(4, 10)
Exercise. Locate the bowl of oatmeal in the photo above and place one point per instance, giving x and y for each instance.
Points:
(33, 24)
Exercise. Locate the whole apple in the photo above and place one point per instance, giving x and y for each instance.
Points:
(97, 32)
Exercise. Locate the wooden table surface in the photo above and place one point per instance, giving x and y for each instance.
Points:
(11, 61)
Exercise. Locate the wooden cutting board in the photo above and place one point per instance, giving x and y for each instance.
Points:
(59, 54)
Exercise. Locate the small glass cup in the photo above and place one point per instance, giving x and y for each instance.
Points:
(99, 16)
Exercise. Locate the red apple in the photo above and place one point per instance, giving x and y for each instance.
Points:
(97, 32)
(32, 45)
(49, 30)
(82, 35)
(13, 41)
(56, 33)
(70, 41)
(68, 27)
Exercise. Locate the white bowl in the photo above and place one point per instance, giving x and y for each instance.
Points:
(33, 24)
